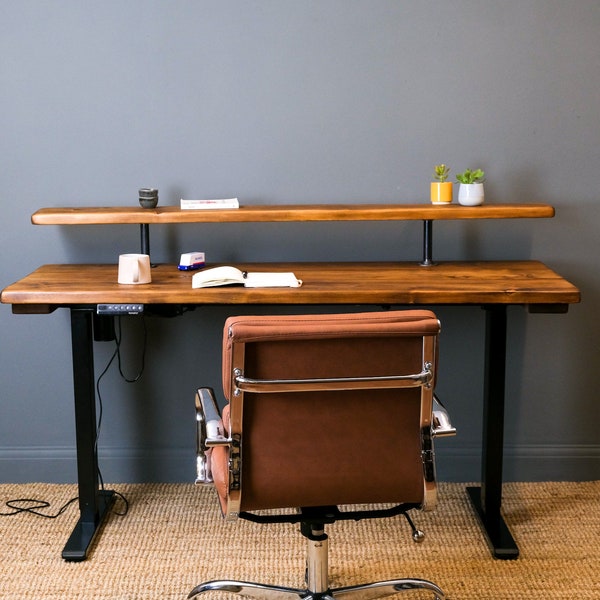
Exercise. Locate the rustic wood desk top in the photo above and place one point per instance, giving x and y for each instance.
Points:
(290, 213)
(458, 283)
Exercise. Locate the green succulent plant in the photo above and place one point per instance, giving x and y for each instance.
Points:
(469, 176)
(441, 172)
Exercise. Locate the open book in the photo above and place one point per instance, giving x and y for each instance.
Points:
(218, 276)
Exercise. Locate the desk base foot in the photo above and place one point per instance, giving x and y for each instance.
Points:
(77, 546)
(500, 540)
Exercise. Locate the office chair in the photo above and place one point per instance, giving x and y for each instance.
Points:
(331, 417)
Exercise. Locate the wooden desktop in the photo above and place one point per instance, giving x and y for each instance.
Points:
(528, 283)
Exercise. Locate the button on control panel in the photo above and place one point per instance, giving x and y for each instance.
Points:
(119, 309)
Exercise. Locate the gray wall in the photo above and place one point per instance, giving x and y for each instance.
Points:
(297, 102)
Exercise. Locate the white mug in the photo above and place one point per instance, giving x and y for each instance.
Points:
(134, 269)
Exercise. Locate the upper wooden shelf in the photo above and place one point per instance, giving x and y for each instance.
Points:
(291, 213)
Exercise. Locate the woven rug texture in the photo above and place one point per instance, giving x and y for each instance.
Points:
(173, 538)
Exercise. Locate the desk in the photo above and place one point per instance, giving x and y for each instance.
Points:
(491, 285)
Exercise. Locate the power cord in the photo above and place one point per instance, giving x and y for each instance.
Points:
(33, 506)
(118, 333)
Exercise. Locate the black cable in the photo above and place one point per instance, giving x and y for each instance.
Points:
(143, 359)
(122, 496)
(33, 506)
(99, 396)
(118, 332)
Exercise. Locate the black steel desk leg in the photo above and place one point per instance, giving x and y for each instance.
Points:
(487, 499)
(93, 502)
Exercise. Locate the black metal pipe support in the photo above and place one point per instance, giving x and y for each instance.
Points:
(427, 243)
(145, 238)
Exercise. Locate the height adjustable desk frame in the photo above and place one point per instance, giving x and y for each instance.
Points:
(491, 285)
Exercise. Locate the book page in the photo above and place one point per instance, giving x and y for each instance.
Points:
(227, 275)
(256, 280)
(218, 276)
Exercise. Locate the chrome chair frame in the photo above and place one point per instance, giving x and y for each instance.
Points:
(435, 422)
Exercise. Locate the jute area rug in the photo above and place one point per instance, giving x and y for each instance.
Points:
(173, 538)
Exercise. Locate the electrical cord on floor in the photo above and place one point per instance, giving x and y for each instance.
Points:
(33, 506)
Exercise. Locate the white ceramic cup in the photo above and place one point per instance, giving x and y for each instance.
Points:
(134, 269)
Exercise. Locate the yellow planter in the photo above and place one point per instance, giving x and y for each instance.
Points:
(441, 193)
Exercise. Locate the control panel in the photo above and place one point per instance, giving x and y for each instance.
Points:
(120, 309)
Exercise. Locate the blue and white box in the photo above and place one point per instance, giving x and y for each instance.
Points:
(190, 261)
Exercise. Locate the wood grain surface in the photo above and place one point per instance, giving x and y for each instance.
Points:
(488, 282)
(290, 213)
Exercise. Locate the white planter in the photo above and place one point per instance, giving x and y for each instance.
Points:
(470, 194)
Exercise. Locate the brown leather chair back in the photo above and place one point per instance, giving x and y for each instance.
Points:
(359, 433)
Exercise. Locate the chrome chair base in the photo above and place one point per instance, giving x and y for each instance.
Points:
(368, 591)
(317, 579)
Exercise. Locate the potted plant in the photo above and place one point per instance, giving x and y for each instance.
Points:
(470, 191)
(441, 190)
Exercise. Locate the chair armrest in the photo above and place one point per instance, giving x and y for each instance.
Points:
(441, 425)
(209, 432)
